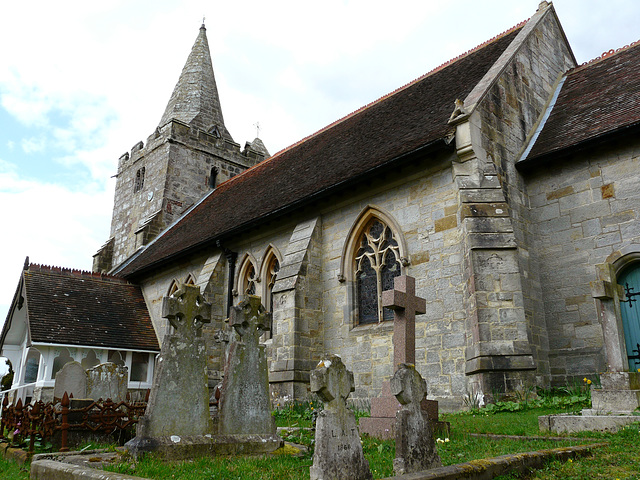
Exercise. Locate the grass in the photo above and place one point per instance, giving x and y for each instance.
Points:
(619, 459)
(12, 471)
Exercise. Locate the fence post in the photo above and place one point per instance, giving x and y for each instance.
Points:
(33, 426)
(65, 423)
(3, 419)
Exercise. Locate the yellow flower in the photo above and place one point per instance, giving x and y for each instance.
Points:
(570, 461)
(584, 379)
(588, 382)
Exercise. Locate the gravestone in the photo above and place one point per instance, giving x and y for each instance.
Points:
(403, 300)
(71, 378)
(415, 447)
(338, 451)
(176, 423)
(107, 380)
(245, 406)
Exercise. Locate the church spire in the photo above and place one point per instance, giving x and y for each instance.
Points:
(195, 98)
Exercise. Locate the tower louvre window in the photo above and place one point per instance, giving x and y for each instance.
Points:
(139, 181)
(213, 177)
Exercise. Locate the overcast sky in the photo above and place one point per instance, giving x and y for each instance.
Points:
(82, 82)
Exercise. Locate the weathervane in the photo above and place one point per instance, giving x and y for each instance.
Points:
(257, 125)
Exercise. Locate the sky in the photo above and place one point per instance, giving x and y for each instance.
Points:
(82, 82)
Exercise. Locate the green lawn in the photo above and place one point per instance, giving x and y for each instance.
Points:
(620, 459)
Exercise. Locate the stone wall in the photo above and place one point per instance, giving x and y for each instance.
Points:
(508, 115)
(584, 212)
(177, 162)
(424, 206)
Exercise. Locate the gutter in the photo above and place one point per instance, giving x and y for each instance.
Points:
(588, 144)
(436, 145)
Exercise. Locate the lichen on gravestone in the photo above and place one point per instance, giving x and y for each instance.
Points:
(415, 446)
(338, 451)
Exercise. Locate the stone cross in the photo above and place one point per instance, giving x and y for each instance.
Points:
(415, 447)
(332, 382)
(338, 451)
(404, 302)
(245, 407)
(187, 311)
(250, 319)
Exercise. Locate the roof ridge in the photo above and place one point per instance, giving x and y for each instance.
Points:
(266, 161)
(604, 56)
(35, 267)
(393, 92)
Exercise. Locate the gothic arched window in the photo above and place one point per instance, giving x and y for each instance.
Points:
(139, 181)
(377, 263)
(272, 265)
(213, 177)
(247, 278)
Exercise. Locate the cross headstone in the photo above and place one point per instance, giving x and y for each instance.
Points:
(405, 304)
(415, 447)
(179, 400)
(338, 451)
(245, 406)
(187, 311)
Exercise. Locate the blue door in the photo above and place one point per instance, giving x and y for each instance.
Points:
(630, 309)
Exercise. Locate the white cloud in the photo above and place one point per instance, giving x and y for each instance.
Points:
(33, 145)
(49, 223)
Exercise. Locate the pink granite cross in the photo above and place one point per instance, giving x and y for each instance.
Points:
(405, 304)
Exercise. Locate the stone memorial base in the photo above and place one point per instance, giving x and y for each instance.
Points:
(612, 407)
(184, 447)
(382, 422)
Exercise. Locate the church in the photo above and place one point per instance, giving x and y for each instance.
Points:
(505, 181)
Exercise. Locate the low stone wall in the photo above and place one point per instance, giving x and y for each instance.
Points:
(54, 467)
(489, 468)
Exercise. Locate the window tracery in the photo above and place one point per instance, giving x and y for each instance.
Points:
(377, 263)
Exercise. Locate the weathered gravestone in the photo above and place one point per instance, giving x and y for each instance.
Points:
(71, 378)
(403, 300)
(176, 423)
(415, 447)
(338, 451)
(107, 380)
(244, 406)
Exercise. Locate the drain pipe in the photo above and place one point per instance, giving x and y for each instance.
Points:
(231, 260)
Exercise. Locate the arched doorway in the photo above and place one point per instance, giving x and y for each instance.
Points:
(629, 278)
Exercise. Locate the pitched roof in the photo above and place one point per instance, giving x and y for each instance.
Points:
(406, 121)
(195, 99)
(72, 307)
(596, 100)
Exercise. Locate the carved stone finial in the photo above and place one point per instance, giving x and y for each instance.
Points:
(543, 4)
(458, 110)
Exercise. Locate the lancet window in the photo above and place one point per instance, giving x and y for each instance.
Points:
(139, 180)
(377, 263)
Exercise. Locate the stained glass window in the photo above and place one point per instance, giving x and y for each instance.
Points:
(272, 272)
(249, 282)
(377, 263)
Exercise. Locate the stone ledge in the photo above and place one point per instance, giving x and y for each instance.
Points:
(52, 470)
(492, 467)
(582, 423)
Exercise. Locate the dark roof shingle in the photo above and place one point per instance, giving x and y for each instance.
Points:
(71, 307)
(407, 120)
(597, 99)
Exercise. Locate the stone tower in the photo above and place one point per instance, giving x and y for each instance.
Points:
(190, 152)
